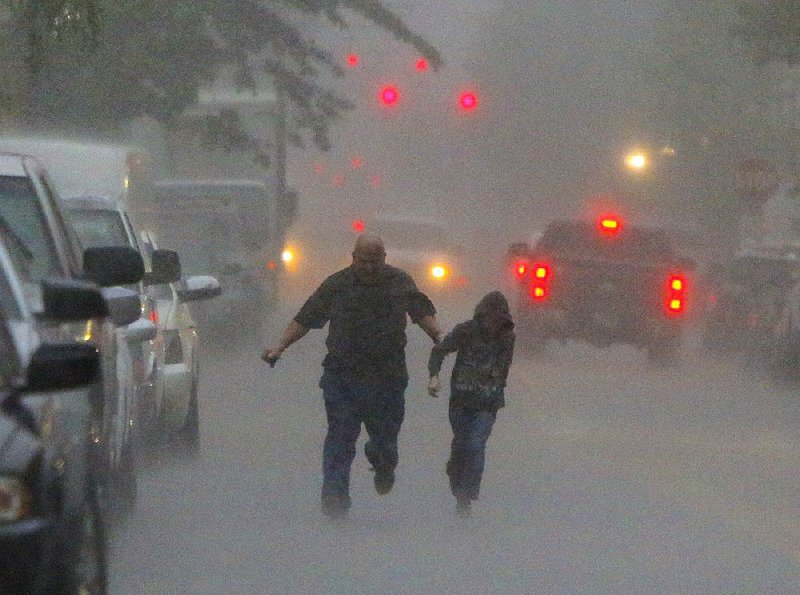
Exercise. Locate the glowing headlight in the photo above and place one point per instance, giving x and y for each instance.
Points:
(438, 272)
(15, 500)
(88, 331)
(287, 255)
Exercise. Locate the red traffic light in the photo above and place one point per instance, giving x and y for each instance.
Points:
(422, 65)
(468, 100)
(389, 95)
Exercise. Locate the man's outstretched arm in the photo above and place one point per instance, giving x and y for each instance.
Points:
(430, 325)
(292, 333)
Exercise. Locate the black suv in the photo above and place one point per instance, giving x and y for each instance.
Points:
(51, 525)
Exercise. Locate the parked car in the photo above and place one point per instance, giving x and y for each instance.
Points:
(173, 411)
(51, 526)
(746, 298)
(42, 246)
(99, 221)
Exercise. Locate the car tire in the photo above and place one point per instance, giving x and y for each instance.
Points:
(125, 481)
(190, 433)
(716, 338)
(664, 352)
(82, 565)
(785, 357)
(530, 336)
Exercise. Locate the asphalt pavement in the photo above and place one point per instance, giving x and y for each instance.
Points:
(603, 476)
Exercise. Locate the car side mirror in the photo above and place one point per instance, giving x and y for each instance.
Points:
(124, 305)
(113, 265)
(199, 287)
(66, 301)
(59, 366)
(166, 267)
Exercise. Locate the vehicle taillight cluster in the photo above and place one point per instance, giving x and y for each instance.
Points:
(676, 294)
(540, 281)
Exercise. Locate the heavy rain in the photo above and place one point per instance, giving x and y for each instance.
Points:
(199, 328)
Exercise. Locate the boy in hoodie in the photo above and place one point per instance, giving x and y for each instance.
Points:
(484, 348)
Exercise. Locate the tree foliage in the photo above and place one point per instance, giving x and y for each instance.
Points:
(99, 62)
(708, 101)
(771, 28)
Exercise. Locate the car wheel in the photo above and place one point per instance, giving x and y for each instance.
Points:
(785, 356)
(664, 352)
(83, 565)
(190, 434)
(125, 483)
(716, 338)
(530, 336)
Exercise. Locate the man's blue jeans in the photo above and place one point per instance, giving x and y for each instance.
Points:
(349, 402)
(471, 430)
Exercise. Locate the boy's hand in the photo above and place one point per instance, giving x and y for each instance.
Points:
(433, 386)
(271, 356)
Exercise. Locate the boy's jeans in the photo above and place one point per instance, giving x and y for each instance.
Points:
(471, 430)
(349, 402)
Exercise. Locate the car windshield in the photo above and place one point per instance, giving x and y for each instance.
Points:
(229, 225)
(25, 231)
(584, 240)
(97, 227)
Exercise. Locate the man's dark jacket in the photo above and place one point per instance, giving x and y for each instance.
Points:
(367, 333)
(482, 359)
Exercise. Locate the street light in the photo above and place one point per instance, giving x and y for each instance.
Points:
(637, 161)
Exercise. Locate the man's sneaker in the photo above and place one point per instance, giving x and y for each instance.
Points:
(384, 480)
(463, 507)
(335, 506)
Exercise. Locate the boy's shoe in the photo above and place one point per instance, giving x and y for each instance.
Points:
(335, 506)
(464, 508)
(383, 480)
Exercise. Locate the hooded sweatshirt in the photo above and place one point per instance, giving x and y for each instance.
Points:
(482, 358)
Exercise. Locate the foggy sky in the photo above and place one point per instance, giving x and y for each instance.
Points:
(556, 80)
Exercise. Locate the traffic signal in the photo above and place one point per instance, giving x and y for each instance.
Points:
(468, 100)
(389, 95)
(422, 65)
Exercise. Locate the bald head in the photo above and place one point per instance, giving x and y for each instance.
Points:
(369, 243)
(369, 258)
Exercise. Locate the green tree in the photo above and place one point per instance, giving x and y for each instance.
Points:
(771, 28)
(706, 99)
(95, 63)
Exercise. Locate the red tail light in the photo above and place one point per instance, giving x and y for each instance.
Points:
(520, 268)
(540, 285)
(609, 225)
(675, 295)
(153, 315)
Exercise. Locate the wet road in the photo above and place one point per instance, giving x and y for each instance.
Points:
(603, 476)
